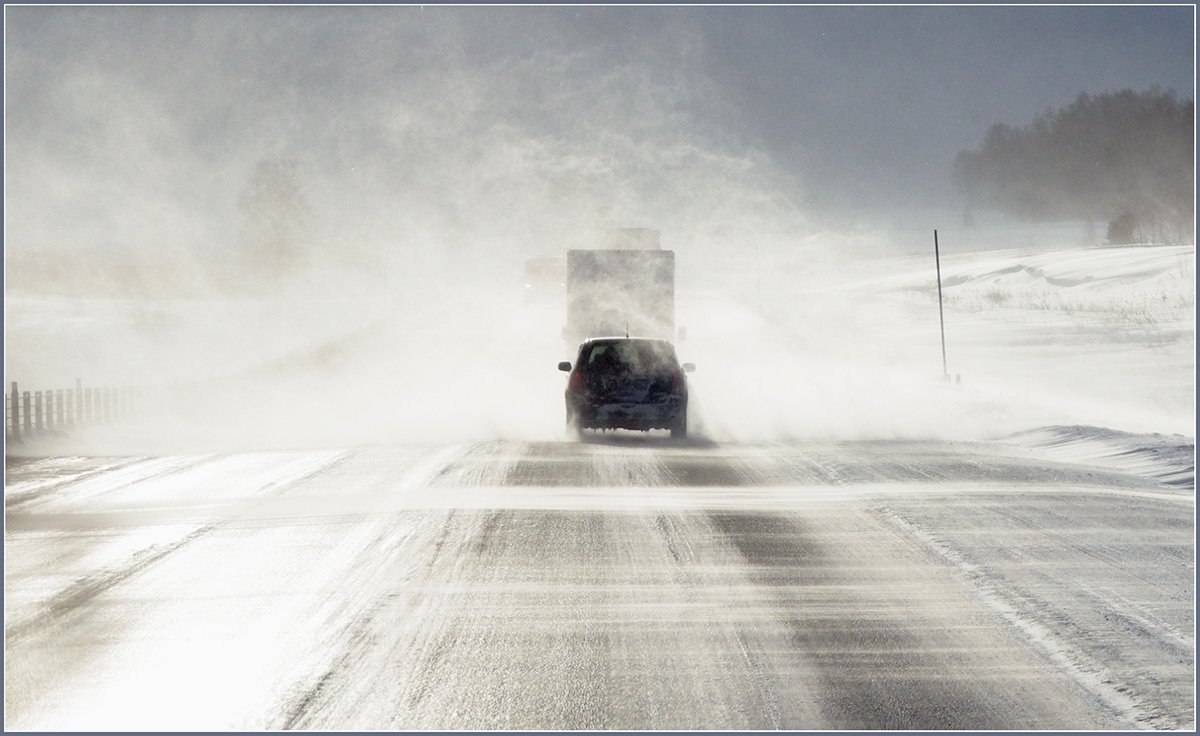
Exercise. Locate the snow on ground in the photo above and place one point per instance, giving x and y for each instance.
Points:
(1169, 459)
(1099, 336)
(1092, 569)
(1053, 596)
(810, 345)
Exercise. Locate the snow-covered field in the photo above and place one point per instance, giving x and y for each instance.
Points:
(1101, 336)
(791, 348)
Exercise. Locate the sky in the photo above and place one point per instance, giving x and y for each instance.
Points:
(876, 101)
(136, 128)
(421, 154)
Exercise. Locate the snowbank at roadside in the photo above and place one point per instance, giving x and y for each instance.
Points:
(1169, 459)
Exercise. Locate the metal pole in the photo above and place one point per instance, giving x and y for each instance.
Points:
(941, 318)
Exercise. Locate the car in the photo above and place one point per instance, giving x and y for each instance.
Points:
(627, 383)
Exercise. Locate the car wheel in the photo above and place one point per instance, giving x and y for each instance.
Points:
(573, 430)
(680, 428)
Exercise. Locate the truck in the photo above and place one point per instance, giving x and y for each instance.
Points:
(620, 291)
(545, 279)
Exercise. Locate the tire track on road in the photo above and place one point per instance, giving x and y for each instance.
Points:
(1014, 607)
(399, 555)
(338, 565)
(495, 599)
(878, 629)
(1072, 635)
(74, 597)
(16, 500)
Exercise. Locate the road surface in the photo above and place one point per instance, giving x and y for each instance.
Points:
(623, 582)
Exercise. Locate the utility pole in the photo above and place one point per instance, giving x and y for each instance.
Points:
(941, 318)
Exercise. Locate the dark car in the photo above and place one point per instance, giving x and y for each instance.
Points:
(627, 383)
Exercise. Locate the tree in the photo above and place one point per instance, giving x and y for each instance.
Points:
(1123, 156)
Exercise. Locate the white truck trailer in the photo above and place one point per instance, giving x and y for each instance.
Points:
(620, 291)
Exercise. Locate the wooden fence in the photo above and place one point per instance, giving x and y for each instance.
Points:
(31, 413)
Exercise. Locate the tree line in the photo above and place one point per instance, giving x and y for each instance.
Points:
(1125, 158)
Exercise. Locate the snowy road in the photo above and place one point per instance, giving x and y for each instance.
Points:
(626, 582)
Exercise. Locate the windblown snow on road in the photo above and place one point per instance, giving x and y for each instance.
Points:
(384, 527)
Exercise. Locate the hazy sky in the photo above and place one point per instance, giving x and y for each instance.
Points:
(135, 125)
(437, 148)
(876, 101)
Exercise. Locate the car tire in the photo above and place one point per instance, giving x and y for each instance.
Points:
(679, 429)
(573, 429)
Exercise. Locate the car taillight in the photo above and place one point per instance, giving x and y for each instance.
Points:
(575, 382)
(677, 382)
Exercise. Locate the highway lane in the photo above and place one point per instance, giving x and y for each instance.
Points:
(624, 582)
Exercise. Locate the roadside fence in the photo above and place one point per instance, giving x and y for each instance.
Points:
(28, 414)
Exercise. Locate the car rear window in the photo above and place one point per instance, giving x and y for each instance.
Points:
(634, 356)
